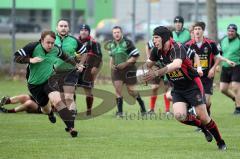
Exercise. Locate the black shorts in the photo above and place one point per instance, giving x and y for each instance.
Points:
(63, 78)
(85, 79)
(192, 97)
(230, 74)
(127, 75)
(68, 77)
(93, 61)
(40, 93)
(207, 85)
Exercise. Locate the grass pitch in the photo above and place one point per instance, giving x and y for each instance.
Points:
(25, 136)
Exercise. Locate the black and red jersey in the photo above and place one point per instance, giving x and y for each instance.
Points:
(206, 51)
(182, 78)
(93, 47)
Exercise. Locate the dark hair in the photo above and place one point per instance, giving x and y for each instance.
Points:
(200, 24)
(48, 32)
(117, 27)
(63, 19)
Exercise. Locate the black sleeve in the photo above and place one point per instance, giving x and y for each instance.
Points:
(131, 49)
(154, 55)
(179, 52)
(190, 52)
(23, 55)
(215, 50)
(97, 49)
(81, 49)
(150, 44)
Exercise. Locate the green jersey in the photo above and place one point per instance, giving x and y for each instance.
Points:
(38, 73)
(230, 50)
(182, 36)
(122, 51)
(70, 46)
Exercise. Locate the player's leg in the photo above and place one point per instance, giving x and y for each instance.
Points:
(118, 91)
(89, 100)
(65, 114)
(167, 89)
(131, 90)
(236, 89)
(226, 90)
(95, 71)
(40, 95)
(15, 99)
(235, 79)
(208, 103)
(69, 97)
(209, 123)
(225, 80)
(29, 106)
(180, 100)
(153, 97)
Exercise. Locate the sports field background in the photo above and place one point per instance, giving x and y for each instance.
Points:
(24, 136)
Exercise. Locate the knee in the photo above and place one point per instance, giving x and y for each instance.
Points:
(68, 96)
(55, 101)
(155, 90)
(169, 96)
(132, 93)
(29, 103)
(223, 89)
(204, 119)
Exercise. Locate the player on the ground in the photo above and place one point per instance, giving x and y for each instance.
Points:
(27, 103)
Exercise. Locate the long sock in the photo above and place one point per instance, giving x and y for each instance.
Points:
(120, 104)
(238, 108)
(141, 103)
(8, 101)
(193, 121)
(89, 101)
(74, 97)
(66, 115)
(212, 127)
(167, 103)
(11, 111)
(153, 102)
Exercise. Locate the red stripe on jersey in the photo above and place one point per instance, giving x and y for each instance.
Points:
(185, 65)
(211, 60)
(190, 42)
(199, 84)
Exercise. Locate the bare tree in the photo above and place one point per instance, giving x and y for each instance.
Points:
(212, 19)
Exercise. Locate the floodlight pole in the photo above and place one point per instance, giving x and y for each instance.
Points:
(148, 20)
(196, 10)
(13, 15)
(133, 19)
(73, 17)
